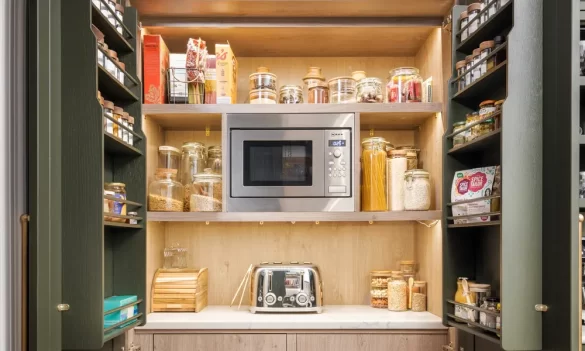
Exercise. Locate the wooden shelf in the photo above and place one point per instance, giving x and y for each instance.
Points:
(112, 89)
(482, 88)
(114, 39)
(379, 116)
(122, 225)
(391, 216)
(485, 142)
(502, 20)
(116, 146)
(478, 224)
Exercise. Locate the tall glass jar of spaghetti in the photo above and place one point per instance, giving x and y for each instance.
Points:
(374, 174)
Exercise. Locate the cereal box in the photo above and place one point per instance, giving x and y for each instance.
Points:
(227, 74)
(156, 63)
(473, 184)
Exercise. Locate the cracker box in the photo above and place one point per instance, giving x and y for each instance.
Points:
(156, 64)
(227, 74)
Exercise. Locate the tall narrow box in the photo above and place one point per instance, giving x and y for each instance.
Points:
(156, 64)
(227, 74)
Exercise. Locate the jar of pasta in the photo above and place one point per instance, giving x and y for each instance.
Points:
(379, 288)
(374, 174)
(397, 294)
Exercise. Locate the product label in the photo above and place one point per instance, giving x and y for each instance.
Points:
(472, 184)
(119, 208)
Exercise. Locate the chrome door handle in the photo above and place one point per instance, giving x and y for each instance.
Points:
(62, 307)
(541, 308)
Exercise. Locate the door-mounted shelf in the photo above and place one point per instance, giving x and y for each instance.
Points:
(116, 146)
(494, 26)
(113, 38)
(485, 142)
(477, 91)
(111, 87)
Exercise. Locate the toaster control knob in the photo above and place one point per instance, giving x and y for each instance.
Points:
(302, 299)
(337, 153)
(270, 299)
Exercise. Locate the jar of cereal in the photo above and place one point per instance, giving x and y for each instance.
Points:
(397, 296)
(379, 288)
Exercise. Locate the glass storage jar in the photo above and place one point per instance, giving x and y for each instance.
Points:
(370, 90)
(469, 74)
(169, 157)
(358, 75)
(165, 194)
(474, 131)
(480, 292)
(463, 296)
(489, 12)
(499, 113)
(397, 294)
(109, 63)
(124, 120)
(262, 96)
(262, 79)
(463, 21)
(476, 72)
(207, 192)
(419, 296)
(474, 19)
(193, 161)
(486, 48)
(404, 85)
(319, 93)
(488, 319)
(460, 66)
(342, 90)
(131, 127)
(214, 159)
(116, 129)
(417, 190)
(311, 79)
(407, 266)
(290, 94)
(379, 288)
(117, 190)
(458, 139)
(374, 174)
(108, 111)
(396, 166)
(120, 15)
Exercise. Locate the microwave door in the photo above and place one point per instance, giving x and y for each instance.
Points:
(284, 163)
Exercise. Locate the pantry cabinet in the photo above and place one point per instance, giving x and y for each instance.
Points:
(221, 342)
(369, 342)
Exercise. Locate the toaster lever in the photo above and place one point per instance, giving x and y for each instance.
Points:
(269, 281)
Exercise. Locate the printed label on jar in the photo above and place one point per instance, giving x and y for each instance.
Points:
(119, 208)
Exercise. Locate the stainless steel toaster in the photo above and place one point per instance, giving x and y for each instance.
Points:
(289, 287)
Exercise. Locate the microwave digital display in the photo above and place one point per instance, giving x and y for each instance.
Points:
(336, 143)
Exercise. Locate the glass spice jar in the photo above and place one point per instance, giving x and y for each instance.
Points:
(474, 19)
(214, 161)
(417, 190)
(120, 15)
(460, 67)
(397, 294)
(290, 94)
(476, 72)
(458, 139)
(489, 12)
(463, 21)
(165, 194)
(468, 65)
(131, 127)
(319, 94)
(117, 190)
(374, 174)
(379, 288)
(486, 48)
(108, 111)
(108, 9)
(404, 85)
(132, 220)
(110, 63)
(207, 192)
(499, 114)
(474, 131)
(370, 90)
(121, 69)
(117, 131)
(124, 119)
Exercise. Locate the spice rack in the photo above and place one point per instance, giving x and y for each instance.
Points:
(106, 257)
(484, 252)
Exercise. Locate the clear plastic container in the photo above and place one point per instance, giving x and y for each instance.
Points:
(379, 288)
(374, 174)
(342, 90)
(169, 157)
(165, 194)
(404, 85)
(417, 190)
(397, 294)
(193, 161)
(214, 161)
(262, 96)
(262, 79)
(319, 94)
(370, 90)
(290, 94)
(207, 192)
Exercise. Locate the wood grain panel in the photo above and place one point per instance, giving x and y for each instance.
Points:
(276, 8)
(220, 342)
(144, 340)
(177, 138)
(155, 137)
(370, 342)
(345, 252)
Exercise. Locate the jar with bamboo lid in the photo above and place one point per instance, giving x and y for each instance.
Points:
(117, 131)
(460, 67)
(397, 294)
(397, 165)
(131, 127)
(474, 18)
(374, 174)
(379, 288)
(125, 124)
(463, 21)
(486, 48)
(120, 15)
(476, 73)
(110, 63)
(419, 296)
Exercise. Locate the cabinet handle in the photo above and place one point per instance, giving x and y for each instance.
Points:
(24, 219)
(62, 307)
(541, 308)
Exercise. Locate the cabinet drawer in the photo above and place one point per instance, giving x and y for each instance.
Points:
(220, 342)
(370, 342)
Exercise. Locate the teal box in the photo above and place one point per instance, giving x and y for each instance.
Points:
(114, 302)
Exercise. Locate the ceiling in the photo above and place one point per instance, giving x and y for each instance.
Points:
(292, 8)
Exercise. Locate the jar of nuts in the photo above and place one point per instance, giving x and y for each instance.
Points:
(397, 294)
(379, 288)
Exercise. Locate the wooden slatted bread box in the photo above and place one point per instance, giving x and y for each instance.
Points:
(179, 290)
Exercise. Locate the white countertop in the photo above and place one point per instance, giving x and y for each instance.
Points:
(332, 317)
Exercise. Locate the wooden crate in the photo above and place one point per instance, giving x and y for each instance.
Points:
(179, 290)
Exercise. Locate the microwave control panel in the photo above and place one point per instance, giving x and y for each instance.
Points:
(338, 166)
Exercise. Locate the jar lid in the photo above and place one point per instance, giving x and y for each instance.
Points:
(130, 119)
(132, 213)
(373, 140)
(115, 184)
(314, 73)
(121, 65)
(321, 85)
(410, 153)
(468, 58)
(476, 52)
(487, 102)
(108, 104)
(416, 173)
(113, 54)
(118, 110)
(463, 15)
(295, 88)
(403, 70)
(474, 7)
(125, 115)
(487, 44)
(499, 102)
(120, 8)
(407, 262)
(370, 80)
(457, 124)
(358, 73)
(460, 64)
(207, 174)
(333, 80)
(189, 145)
(169, 148)
(262, 74)
(381, 273)
(164, 171)
(398, 153)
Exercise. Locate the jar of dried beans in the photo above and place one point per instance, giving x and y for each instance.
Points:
(404, 85)
(165, 194)
(379, 288)
(374, 174)
(207, 192)
(370, 90)
(417, 190)
(397, 294)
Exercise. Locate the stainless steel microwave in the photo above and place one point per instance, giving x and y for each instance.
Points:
(290, 162)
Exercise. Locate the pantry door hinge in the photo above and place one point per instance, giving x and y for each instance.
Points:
(62, 307)
(541, 308)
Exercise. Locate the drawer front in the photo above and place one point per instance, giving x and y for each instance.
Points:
(220, 342)
(370, 342)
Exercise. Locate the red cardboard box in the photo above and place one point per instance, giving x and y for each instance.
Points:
(156, 63)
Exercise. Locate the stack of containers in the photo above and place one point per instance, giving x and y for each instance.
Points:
(262, 87)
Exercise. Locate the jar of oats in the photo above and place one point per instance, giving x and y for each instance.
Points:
(206, 193)
(397, 294)
(165, 194)
(379, 288)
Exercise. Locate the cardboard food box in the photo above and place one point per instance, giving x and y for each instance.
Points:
(156, 63)
(227, 74)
